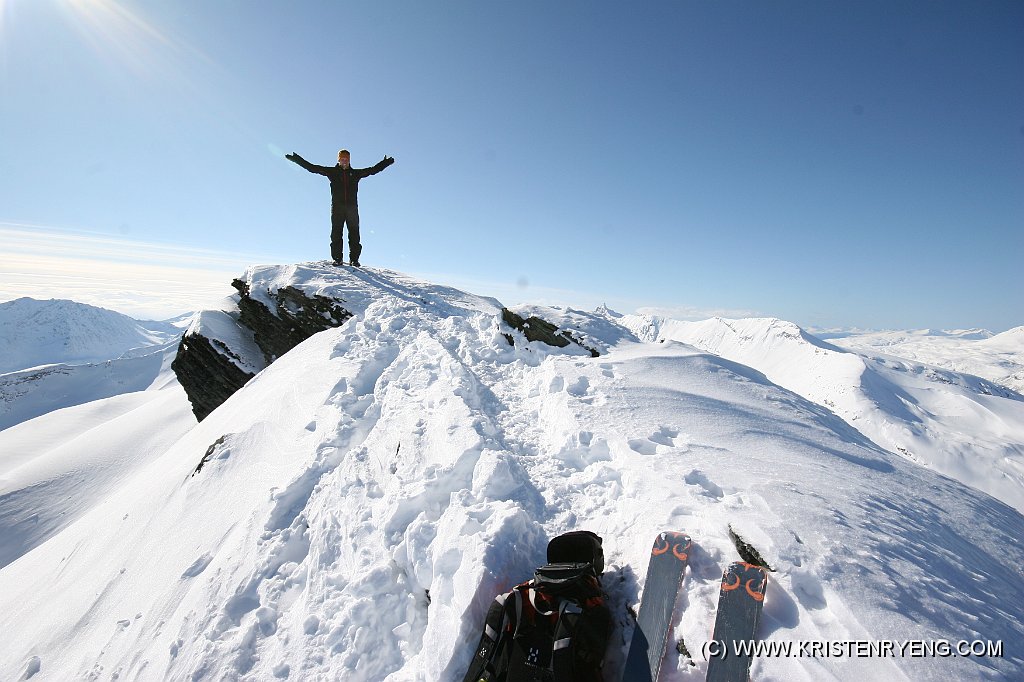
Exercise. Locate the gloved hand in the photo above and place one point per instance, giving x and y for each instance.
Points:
(292, 157)
(389, 160)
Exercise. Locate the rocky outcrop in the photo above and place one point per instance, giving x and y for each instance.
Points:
(223, 349)
(278, 307)
(536, 329)
(296, 316)
(207, 371)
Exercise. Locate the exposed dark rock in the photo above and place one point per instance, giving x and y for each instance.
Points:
(207, 373)
(537, 329)
(298, 316)
(209, 453)
(226, 348)
(683, 651)
(210, 371)
(747, 551)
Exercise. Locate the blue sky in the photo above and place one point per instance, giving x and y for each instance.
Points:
(834, 164)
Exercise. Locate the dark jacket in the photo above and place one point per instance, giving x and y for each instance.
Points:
(344, 181)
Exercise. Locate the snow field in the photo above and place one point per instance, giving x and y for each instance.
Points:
(367, 495)
(56, 467)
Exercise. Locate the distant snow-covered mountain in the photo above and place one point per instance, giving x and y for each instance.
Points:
(998, 357)
(57, 331)
(71, 430)
(30, 393)
(56, 354)
(93, 401)
(351, 510)
(959, 424)
(896, 337)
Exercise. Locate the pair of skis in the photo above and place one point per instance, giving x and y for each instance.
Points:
(739, 609)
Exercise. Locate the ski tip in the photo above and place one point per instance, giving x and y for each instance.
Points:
(678, 543)
(752, 578)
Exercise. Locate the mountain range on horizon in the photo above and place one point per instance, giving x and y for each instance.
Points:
(350, 508)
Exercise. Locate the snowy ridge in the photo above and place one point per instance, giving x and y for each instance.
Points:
(34, 333)
(598, 330)
(960, 425)
(362, 499)
(357, 288)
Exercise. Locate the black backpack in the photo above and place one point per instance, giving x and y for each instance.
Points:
(554, 628)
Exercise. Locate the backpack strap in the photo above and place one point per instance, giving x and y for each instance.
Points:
(531, 595)
(493, 647)
(566, 613)
(563, 663)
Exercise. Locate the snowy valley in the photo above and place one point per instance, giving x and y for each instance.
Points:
(350, 510)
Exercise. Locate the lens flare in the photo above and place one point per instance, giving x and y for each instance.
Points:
(128, 40)
(112, 29)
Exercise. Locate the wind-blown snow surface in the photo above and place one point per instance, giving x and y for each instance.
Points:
(56, 467)
(961, 425)
(34, 392)
(363, 499)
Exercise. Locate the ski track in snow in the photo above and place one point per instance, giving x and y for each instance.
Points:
(369, 493)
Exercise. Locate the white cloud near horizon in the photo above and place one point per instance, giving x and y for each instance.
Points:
(137, 278)
(150, 280)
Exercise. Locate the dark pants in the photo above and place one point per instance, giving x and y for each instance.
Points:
(340, 215)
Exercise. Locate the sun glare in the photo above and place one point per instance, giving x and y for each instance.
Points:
(128, 41)
(115, 32)
(3, 16)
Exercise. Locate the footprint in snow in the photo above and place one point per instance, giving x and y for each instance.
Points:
(643, 446)
(35, 664)
(808, 590)
(198, 566)
(709, 487)
(665, 436)
(662, 440)
(579, 387)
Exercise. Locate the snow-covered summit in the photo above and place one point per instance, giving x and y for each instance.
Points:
(1011, 340)
(279, 306)
(57, 354)
(362, 499)
(358, 288)
(35, 332)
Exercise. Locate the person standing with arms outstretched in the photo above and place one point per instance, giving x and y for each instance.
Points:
(344, 201)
